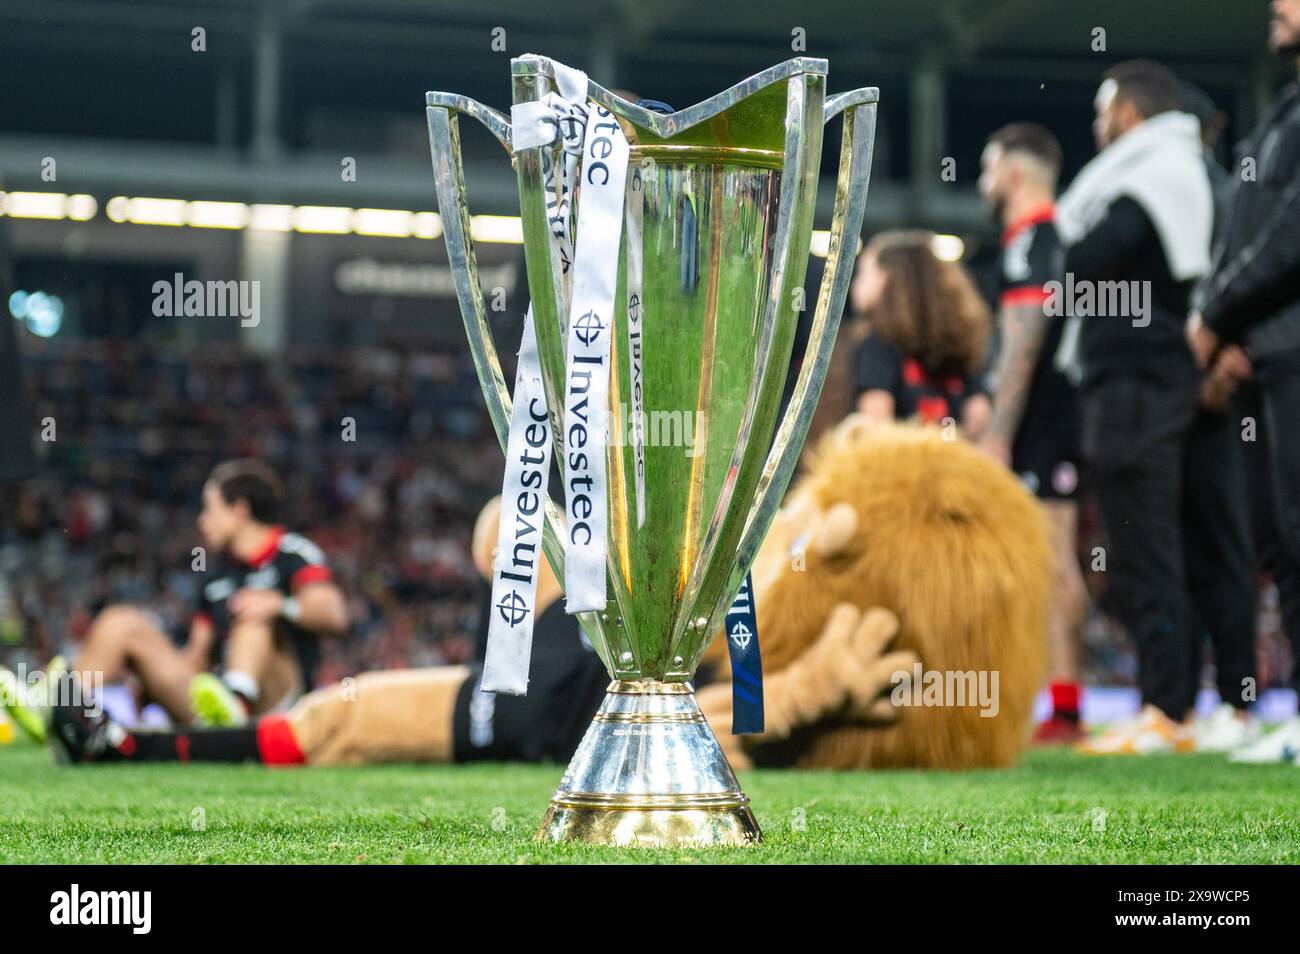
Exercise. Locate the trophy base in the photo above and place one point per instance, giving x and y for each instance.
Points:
(650, 773)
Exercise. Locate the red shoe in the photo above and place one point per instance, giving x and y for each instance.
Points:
(1058, 730)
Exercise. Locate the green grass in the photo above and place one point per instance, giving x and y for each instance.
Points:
(1164, 809)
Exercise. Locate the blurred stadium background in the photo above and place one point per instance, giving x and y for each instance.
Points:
(128, 155)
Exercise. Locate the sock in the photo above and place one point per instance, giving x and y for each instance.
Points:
(276, 743)
(208, 745)
(222, 745)
(269, 740)
(1065, 700)
(242, 685)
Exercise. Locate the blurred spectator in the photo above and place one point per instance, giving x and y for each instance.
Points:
(923, 334)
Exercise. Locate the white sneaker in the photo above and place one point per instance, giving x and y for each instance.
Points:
(1223, 730)
(1281, 745)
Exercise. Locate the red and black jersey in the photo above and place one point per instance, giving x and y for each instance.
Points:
(288, 562)
(1045, 451)
(1032, 257)
(929, 397)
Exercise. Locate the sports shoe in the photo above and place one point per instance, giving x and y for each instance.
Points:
(1151, 733)
(1282, 745)
(1224, 730)
(1058, 730)
(214, 704)
(78, 733)
(14, 706)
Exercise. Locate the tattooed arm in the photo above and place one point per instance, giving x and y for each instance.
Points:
(1024, 328)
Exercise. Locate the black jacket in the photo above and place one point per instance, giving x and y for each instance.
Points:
(1252, 292)
(1125, 247)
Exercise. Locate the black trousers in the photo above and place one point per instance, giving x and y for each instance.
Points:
(1272, 404)
(1220, 553)
(1178, 555)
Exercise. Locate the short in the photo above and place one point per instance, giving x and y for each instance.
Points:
(1046, 456)
(300, 646)
(566, 685)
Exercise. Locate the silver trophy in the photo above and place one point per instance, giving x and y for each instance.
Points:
(723, 228)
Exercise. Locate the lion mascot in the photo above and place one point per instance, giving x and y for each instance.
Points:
(898, 545)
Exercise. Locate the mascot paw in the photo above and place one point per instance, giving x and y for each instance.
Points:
(855, 645)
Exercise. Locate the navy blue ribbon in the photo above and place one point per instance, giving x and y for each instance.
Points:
(746, 663)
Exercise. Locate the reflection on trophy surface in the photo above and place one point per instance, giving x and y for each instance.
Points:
(711, 246)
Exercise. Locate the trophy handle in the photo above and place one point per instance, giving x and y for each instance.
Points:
(449, 175)
(859, 109)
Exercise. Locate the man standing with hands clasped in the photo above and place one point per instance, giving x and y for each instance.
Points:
(1245, 330)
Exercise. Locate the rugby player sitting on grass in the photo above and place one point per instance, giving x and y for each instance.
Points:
(436, 714)
(263, 605)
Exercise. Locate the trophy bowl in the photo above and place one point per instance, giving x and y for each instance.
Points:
(720, 202)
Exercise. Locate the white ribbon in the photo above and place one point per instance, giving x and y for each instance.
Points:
(519, 537)
(528, 445)
(591, 140)
(586, 394)
(561, 114)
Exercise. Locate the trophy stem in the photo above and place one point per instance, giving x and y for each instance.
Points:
(649, 772)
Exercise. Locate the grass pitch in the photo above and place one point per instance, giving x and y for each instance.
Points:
(1053, 807)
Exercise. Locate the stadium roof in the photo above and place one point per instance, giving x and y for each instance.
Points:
(114, 90)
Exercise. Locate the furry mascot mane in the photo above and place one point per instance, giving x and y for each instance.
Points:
(926, 526)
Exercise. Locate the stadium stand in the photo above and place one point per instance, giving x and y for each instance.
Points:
(138, 428)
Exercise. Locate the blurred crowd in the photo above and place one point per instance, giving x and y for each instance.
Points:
(387, 458)
(136, 429)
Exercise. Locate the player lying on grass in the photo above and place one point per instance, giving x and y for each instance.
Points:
(264, 602)
(439, 715)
